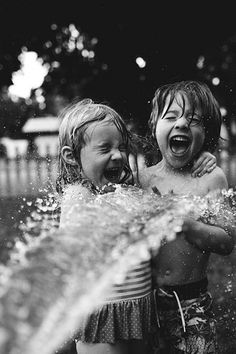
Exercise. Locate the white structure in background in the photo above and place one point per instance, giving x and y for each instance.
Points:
(14, 146)
(31, 173)
(43, 131)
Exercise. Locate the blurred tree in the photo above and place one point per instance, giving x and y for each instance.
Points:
(69, 55)
(119, 57)
(217, 67)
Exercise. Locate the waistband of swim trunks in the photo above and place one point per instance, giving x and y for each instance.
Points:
(187, 291)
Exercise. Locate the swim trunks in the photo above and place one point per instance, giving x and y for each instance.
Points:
(185, 319)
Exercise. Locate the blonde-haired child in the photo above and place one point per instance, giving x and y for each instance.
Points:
(94, 145)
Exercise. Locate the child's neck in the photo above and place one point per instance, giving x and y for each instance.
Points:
(168, 169)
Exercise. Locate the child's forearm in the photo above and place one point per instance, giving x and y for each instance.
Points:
(208, 238)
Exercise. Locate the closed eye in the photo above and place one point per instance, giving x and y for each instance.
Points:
(194, 120)
(122, 147)
(170, 117)
(104, 148)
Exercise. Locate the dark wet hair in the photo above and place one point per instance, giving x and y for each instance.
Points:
(75, 119)
(200, 97)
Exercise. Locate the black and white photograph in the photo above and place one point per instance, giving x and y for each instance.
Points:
(117, 177)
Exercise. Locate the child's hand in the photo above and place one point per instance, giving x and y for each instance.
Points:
(204, 164)
(136, 163)
(189, 226)
(134, 168)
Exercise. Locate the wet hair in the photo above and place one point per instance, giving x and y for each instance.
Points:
(75, 119)
(200, 97)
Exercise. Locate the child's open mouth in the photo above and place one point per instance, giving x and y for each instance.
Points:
(179, 144)
(112, 174)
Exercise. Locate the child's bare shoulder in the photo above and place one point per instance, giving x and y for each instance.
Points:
(152, 170)
(148, 174)
(216, 179)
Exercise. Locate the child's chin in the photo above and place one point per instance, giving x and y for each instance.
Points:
(108, 188)
(113, 181)
(107, 182)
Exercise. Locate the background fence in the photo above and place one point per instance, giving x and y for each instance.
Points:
(29, 176)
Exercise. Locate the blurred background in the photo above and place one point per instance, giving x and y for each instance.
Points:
(116, 52)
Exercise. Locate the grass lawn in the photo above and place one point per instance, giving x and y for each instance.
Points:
(222, 272)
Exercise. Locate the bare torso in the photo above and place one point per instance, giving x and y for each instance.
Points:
(178, 262)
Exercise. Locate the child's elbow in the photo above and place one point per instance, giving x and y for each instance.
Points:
(227, 247)
(226, 241)
(232, 244)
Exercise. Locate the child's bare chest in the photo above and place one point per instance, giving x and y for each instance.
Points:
(178, 185)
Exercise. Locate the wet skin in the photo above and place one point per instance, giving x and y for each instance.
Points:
(180, 136)
(104, 155)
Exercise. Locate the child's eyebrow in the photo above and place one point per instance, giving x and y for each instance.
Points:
(187, 112)
(102, 143)
(194, 113)
(171, 112)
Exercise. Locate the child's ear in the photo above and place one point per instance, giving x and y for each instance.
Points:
(68, 156)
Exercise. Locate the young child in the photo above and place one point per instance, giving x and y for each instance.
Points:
(94, 145)
(185, 121)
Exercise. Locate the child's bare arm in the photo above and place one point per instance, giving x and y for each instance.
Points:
(211, 238)
(205, 163)
(208, 238)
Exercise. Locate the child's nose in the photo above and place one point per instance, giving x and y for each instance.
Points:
(116, 155)
(181, 123)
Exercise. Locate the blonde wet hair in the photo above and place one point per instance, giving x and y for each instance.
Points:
(75, 119)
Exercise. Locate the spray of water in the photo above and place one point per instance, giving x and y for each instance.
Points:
(56, 276)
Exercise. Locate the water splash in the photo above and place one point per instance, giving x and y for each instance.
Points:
(55, 277)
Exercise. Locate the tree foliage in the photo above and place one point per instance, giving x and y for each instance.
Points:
(104, 67)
